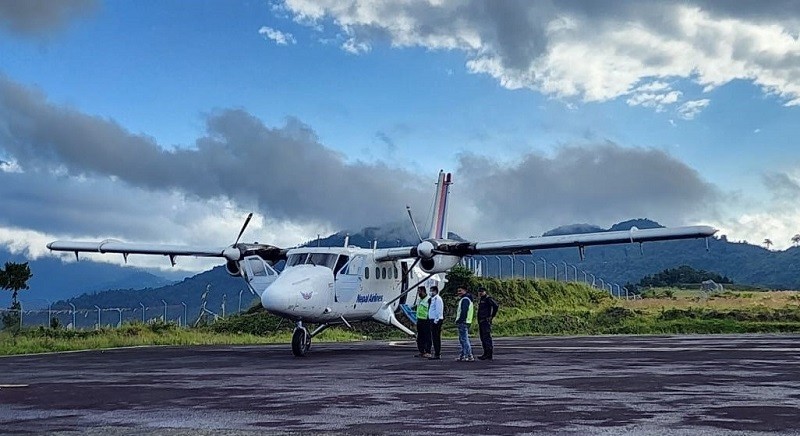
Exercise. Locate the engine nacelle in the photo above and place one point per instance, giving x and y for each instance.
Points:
(233, 268)
(439, 263)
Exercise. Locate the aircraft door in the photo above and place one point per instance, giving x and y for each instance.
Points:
(348, 281)
(259, 274)
(403, 281)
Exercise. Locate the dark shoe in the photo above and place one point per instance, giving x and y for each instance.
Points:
(483, 357)
(418, 355)
(434, 358)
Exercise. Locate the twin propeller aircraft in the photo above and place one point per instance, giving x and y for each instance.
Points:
(339, 285)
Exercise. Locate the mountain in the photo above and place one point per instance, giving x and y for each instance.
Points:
(219, 283)
(573, 228)
(54, 280)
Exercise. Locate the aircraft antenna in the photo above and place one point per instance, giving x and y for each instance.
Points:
(408, 209)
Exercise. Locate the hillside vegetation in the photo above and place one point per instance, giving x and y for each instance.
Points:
(527, 307)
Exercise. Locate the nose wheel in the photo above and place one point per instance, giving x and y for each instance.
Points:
(301, 341)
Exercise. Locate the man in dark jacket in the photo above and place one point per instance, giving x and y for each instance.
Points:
(487, 309)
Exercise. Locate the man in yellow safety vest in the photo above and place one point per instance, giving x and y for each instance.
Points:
(464, 315)
(423, 323)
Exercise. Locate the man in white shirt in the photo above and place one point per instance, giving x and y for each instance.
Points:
(436, 317)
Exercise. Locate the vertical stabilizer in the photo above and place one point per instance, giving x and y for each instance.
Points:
(440, 204)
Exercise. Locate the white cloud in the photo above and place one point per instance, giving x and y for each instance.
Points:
(354, 47)
(690, 109)
(655, 101)
(280, 38)
(10, 166)
(580, 50)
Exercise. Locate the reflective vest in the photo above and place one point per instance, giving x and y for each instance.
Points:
(470, 311)
(422, 308)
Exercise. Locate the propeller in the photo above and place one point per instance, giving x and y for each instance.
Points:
(233, 253)
(408, 209)
(244, 226)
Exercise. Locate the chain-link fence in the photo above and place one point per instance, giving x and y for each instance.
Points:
(109, 317)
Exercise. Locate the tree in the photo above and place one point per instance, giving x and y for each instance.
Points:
(14, 277)
(767, 243)
(796, 239)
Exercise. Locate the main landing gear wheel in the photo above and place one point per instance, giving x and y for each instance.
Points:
(301, 341)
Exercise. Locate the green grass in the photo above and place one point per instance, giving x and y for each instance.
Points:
(43, 340)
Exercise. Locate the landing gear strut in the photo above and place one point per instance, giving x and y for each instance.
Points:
(301, 340)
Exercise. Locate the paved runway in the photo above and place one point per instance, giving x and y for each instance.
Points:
(553, 385)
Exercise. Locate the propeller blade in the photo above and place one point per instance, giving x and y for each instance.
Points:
(241, 232)
(408, 209)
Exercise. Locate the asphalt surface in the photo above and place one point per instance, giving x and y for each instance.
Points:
(562, 385)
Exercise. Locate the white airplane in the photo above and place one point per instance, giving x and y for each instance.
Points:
(331, 286)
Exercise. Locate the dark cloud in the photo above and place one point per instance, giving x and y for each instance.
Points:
(766, 10)
(782, 186)
(518, 29)
(61, 205)
(284, 172)
(600, 184)
(40, 17)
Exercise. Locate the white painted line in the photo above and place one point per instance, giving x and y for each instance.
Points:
(13, 386)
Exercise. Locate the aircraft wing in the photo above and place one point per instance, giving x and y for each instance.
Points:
(516, 246)
(231, 253)
(586, 239)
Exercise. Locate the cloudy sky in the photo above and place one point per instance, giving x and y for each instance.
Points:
(169, 123)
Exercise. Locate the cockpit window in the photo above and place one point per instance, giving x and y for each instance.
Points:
(318, 259)
(296, 259)
(322, 259)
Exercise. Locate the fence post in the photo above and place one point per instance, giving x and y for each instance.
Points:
(98, 317)
(20, 315)
(143, 310)
(185, 320)
(74, 326)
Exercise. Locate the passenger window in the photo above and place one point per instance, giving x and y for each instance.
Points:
(383, 272)
(366, 273)
(395, 273)
(377, 273)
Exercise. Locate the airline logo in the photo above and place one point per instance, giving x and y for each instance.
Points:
(369, 298)
(307, 295)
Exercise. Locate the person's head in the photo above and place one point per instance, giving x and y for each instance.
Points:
(461, 291)
(482, 291)
(434, 290)
(421, 291)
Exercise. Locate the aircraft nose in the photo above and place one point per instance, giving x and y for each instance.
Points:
(299, 292)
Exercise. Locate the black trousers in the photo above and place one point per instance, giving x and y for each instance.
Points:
(424, 336)
(436, 337)
(485, 328)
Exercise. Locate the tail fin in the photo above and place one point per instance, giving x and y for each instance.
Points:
(440, 203)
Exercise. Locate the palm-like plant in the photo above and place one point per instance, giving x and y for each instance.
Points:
(796, 239)
(767, 243)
